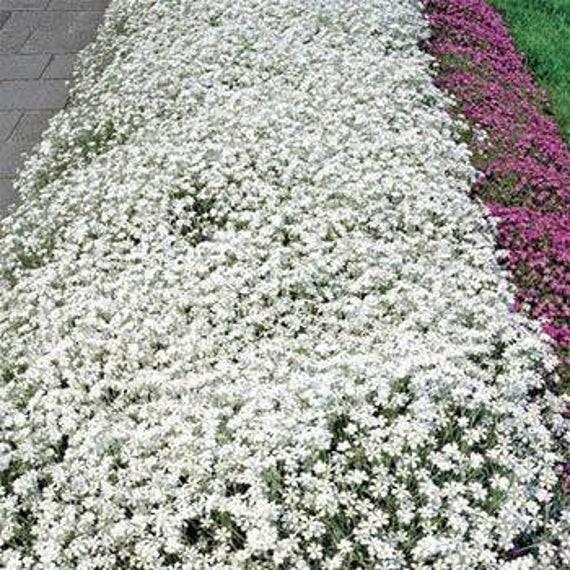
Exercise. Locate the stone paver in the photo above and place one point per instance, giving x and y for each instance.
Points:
(14, 33)
(39, 40)
(8, 197)
(59, 31)
(12, 155)
(30, 127)
(60, 66)
(22, 66)
(88, 5)
(33, 95)
(8, 121)
(17, 5)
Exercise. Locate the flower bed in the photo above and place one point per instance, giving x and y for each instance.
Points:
(524, 161)
(250, 318)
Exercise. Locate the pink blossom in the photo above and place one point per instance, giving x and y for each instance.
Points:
(524, 161)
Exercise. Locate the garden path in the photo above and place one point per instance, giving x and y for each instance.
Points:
(39, 40)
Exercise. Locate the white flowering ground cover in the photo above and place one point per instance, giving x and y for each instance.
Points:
(250, 318)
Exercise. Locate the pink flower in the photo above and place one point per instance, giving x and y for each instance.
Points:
(525, 163)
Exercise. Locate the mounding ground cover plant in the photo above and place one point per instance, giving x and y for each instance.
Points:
(251, 318)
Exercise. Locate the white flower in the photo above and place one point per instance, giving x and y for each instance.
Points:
(249, 316)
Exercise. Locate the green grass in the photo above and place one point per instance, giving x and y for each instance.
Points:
(541, 29)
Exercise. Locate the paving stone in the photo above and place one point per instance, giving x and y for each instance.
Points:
(64, 21)
(12, 156)
(31, 20)
(33, 95)
(62, 32)
(8, 120)
(32, 27)
(95, 5)
(55, 42)
(23, 66)
(60, 67)
(31, 126)
(15, 31)
(23, 4)
(8, 196)
(38, 40)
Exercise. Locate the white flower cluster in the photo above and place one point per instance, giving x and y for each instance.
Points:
(249, 317)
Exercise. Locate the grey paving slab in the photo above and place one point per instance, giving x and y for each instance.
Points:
(30, 126)
(12, 157)
(95, 5)
(60, 66)
(33, 95)
(62, 32)
(62, 20)
(38, 30)
(8, 121)
(39, 40)
(24, 4)
(56, 42)
(8, 196)
(15, 31)
(23, 66)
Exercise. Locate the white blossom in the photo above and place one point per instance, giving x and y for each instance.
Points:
(250, 317)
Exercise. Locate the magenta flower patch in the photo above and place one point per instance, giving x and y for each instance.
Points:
(524, 161)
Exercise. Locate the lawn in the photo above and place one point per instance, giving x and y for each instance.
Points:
(541, 29)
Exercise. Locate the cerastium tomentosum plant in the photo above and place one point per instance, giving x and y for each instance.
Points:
(263, 325)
